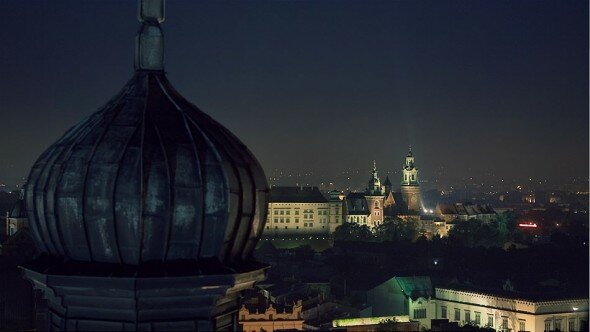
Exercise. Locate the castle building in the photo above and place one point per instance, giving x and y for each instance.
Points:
(147, 212)
(410, 187)
(303, 210)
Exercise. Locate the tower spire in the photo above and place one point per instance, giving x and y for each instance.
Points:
(149, 42)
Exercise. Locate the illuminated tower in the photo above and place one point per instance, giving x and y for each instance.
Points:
(410, 188)
(374, 195)
(147, 212)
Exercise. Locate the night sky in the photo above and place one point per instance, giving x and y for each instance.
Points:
(476, 87)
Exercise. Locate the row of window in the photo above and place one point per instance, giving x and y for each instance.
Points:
(310, 212)
(283, 212)
(557, 325)
(476, 319)
(296, 227)
(550, 325)
(288, 220)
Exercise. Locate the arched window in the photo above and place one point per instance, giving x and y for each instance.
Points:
(376, 204)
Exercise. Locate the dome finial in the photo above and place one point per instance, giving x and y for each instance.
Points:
(149, 42)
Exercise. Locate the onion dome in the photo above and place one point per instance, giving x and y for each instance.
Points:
(147, 178)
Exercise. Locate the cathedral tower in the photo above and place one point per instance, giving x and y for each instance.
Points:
(374, 196)
(410, 187)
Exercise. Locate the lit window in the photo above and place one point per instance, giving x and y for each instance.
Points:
(419, 313)
(571, 324)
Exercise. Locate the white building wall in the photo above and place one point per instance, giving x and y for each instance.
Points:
(510, 314)
(298, 218)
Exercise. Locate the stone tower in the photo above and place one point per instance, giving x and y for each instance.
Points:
(147, 212)
(410, 187)
(374, 195)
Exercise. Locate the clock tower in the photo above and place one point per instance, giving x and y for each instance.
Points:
(410, 188)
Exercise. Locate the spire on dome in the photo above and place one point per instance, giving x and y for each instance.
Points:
(149, 42)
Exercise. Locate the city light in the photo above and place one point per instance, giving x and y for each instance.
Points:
(529, 225)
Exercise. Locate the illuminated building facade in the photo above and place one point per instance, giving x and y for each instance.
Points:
(303, 210)
(271, 319)
(510, 314)
(410, 187)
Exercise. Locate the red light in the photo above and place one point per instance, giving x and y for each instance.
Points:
(530, 225)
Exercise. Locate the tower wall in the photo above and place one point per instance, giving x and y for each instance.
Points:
(411, 196)
(375, 205)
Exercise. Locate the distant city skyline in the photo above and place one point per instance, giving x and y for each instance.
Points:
(475, 87)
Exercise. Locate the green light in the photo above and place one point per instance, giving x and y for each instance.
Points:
(367, 320)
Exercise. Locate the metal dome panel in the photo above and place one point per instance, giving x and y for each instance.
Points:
(147, 178)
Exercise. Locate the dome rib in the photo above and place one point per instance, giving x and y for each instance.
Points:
(239, 150)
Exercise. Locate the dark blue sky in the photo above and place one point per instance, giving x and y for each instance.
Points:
(474, 86)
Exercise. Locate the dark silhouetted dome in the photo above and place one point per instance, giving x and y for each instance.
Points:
(149, 177)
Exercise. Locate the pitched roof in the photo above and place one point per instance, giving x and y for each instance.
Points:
(465, 209)
(296, 195)
(18, 210)
(387, 181)
(356, 203)
(415, 287)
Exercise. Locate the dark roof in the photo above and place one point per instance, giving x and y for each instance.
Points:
(18, 210)
(468, 209)
(296, 195)
(356, 204)
(148, 177)
(387, 181)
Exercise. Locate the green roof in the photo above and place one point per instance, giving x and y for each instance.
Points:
(415, 287)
